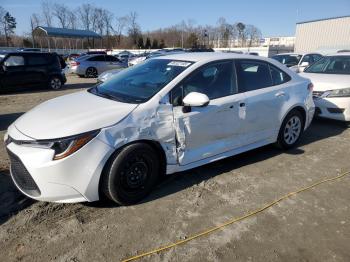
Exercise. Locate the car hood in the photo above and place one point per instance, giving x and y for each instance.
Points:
(70, 115)
(324, 82)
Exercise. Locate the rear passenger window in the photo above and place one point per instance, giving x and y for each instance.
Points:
(14, 60)
(110, 58)
(278, 76)
(37, 60)
(252, 75)
(99, 58)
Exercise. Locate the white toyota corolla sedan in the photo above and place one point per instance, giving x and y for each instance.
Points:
(166, 115)
(331, 79)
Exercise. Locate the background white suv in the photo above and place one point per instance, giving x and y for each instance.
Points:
(297, 62)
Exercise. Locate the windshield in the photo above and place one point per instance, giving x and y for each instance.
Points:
(139, 83)
(331, 65)
(288, 60)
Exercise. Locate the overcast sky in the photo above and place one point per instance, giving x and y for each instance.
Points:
(273, 17)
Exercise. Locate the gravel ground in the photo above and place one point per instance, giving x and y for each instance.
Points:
(312, 226)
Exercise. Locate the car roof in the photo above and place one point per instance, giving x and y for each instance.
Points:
(298, 53)
(30, 53)
(340, 54)
(208, 56)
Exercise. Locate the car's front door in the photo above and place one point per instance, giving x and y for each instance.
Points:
(265, 94)
(203, 132)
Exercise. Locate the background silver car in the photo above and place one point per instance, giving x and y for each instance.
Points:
(93, 65)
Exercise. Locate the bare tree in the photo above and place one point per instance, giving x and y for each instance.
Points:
(73, 21)
(134, 29)
(61, 12)
(119, 28)
(46, 8)
(100, 23)
(107, 17)
(94, 19)
(225, 31)
(34, 22)
(253, 35)
(85, 12)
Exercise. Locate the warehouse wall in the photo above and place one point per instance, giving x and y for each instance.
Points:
(322, 35)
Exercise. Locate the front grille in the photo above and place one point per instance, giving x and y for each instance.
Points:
(22, 177)
(317, 94)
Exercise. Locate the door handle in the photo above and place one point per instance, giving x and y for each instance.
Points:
(242, 104)
(280, 94)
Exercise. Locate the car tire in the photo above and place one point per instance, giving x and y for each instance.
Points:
(291, 130)
(55, 83)
(91, 72)
(131, 174)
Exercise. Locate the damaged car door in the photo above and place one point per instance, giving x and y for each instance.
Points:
(207, 130)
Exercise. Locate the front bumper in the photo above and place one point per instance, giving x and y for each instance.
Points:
(337, 108)
(72, 179)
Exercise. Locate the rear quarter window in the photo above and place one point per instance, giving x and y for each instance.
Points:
(278, 76)
(253, 75)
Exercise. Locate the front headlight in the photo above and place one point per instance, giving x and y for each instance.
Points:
(63, 147)
(345, 92)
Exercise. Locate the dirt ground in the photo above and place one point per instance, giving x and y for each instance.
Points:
(311, 226)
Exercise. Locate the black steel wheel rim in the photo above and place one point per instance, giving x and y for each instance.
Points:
(135, 173)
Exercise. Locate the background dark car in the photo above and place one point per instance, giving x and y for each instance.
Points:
(31, 69)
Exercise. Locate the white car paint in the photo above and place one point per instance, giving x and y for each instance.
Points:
(326, 82)
(227, 126)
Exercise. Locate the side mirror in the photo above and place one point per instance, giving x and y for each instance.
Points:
(196, 99)
(304, 64)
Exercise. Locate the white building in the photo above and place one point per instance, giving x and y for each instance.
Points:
(323, 35)
(285, 41)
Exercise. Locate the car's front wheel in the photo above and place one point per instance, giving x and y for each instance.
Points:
(91, 72)
(131, 174)
(55, 83)
(291, 130)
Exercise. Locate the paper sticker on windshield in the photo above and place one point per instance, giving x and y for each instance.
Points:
(179, 63)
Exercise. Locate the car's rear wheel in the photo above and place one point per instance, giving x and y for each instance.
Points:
(55, 82)
(91, 72)
(291, 130)
(131, 174)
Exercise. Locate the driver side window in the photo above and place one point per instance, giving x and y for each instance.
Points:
(215, 80)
